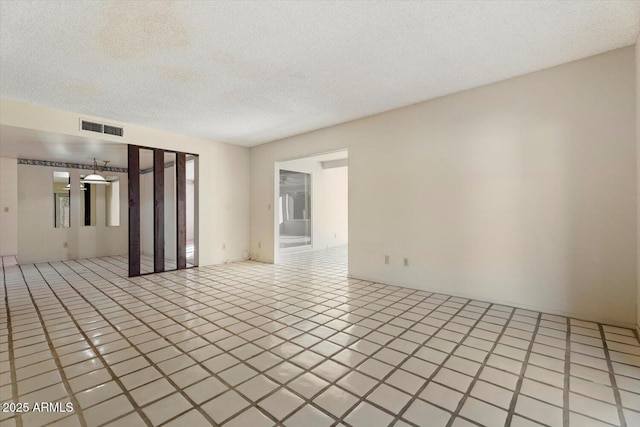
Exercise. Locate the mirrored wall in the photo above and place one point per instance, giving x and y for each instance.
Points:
(191, 209)
(62, 199)
(146, 211)
(170, 212)
(88, 197)
(92, 197)
(112, 201)
(162, 210)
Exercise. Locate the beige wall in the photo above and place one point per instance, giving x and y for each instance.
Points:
(336, 210)
(223, 207)
(38, 238)
(520, 192)
(9, 202)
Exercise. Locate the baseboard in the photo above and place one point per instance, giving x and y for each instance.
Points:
(545, 310)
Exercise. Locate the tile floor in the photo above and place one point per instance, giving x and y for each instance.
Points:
(296, 344)
(146, 260)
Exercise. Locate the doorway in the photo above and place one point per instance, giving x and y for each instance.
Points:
(311, 204)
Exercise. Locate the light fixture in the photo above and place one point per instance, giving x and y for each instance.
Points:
(95, 178)
(82, 187)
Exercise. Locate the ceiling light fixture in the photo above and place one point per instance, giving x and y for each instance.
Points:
(82, 187)
(96, 178)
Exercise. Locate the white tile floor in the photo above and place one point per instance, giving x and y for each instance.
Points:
(296, 344)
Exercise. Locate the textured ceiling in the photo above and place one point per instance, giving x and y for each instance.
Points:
(252, 72)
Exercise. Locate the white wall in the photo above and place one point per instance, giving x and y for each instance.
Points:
(39, 240)
(223, 204)
(521, 192)
(9, 202)
(336, 206)
(329, 204)
(112, 193)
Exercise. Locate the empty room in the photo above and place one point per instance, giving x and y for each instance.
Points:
(319, 213)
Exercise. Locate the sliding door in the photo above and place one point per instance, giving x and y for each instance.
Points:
(295, 209)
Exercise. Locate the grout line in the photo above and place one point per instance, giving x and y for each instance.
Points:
(525, 364)
(612, 377)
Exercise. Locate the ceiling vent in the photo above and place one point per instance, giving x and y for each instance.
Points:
(113, 130)
(91, 126)
(101, 128)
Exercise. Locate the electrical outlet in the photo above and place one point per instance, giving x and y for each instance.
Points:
(259, 245)
(386, 259)
(406, 262)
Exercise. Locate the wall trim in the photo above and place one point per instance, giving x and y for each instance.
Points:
(166, 166)
(52, 164)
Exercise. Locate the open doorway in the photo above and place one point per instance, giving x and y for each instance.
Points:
(311, 203)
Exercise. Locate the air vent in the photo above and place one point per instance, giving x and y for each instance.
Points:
(101, 128)
(91, 127)
(113, 130)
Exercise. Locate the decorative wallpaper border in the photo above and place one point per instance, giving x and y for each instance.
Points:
(149, 170)
(52, 164)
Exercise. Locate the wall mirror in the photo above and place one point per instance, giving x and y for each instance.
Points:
(147, 211)
(88, 194)
(112, 201)
(170, 229)
(191, 190)
(61, 199)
